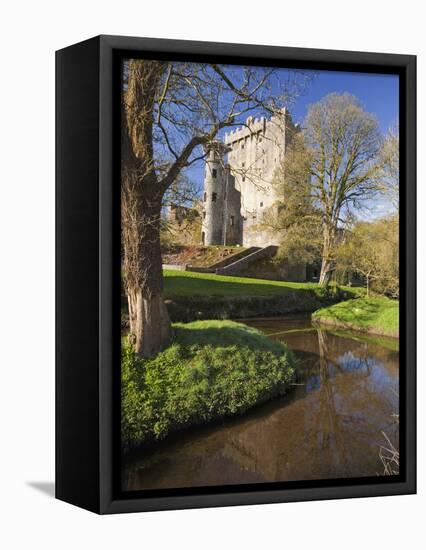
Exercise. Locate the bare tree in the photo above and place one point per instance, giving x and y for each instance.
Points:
(343, 142)
(184, 192)
(389, 156)
(170, 110)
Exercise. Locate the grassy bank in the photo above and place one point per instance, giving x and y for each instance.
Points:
(192, 296)
(375, 315)
(186, 283)
(213, 369)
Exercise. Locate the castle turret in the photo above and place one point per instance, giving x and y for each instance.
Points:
(214, 193)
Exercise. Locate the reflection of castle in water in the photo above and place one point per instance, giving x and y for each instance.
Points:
(329, 427)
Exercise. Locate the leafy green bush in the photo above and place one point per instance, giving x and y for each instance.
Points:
(213, 369)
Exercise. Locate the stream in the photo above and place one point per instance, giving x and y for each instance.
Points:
(328, 426)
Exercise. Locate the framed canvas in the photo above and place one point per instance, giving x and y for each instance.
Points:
(235, 259)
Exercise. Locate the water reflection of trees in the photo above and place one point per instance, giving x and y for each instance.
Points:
(329, 427)
(338, 417)
(328, 424)
(263, 446)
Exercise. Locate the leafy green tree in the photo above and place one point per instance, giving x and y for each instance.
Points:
(371, 249)
(296, 216)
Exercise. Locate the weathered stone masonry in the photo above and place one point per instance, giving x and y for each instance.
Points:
(238, 179)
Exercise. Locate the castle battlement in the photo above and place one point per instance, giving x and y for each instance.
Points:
(252, 127)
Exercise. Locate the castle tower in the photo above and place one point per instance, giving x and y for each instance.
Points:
(215, 181)
(255, 152)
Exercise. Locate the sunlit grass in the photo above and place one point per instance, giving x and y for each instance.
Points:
(212, 369)
(188, 283)
(376, 314)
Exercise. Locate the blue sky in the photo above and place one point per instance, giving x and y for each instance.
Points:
(378, 94)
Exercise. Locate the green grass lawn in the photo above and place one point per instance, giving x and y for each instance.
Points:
(187, 283)
(212, 369)
(376, 314)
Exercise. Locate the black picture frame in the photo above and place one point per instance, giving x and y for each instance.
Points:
(88, 274)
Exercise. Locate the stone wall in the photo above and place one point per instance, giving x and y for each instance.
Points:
(232, 219)
(256, 151)
(276, 270)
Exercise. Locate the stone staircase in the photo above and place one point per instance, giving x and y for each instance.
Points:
(234, 263)
(238, 264)
(225, 262)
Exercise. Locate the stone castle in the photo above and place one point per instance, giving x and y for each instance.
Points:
(238, 181)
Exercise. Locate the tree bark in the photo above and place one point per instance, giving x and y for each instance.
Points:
(327, 265)
(150, 326)
(141, 202)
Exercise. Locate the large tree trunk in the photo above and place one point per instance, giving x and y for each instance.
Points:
(141, 202)
(150, 326)
(326, 272)
(327, 265)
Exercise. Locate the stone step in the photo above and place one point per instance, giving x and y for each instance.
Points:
(234, 257)
(238, 265)
(226, 261)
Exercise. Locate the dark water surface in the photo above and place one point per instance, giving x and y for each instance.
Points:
(328, 426)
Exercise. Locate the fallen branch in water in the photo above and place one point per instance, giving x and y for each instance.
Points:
(389, 456)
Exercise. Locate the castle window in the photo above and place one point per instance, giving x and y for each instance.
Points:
(242, 146)
(261, 204)
(205, 196)
(214, 197)
(214, 173)
(243, 164)
(232, 221)
(244, 178)
(204, 214)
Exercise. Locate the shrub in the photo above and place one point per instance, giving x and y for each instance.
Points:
(213, 369)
